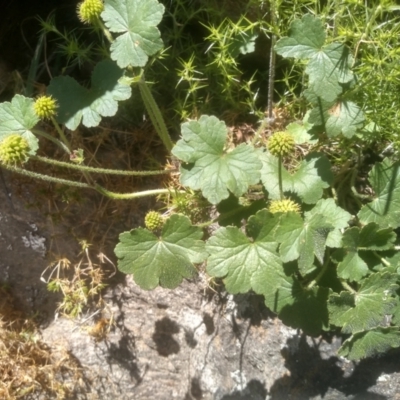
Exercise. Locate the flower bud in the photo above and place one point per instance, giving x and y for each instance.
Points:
(281, 144)
(14, 149)
(89, 11)
(283, 206)
(45, 107)
(153, 220)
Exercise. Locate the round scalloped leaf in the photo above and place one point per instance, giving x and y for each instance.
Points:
(18, 117)
(385, 208)
(163, 260)
(366, 308)
(76, 103)
(313, 175)
(328, 65)
(136, 21)
(209, 167)
(370, 343)
(246, 263)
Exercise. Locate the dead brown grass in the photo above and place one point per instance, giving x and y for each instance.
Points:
(28, 368)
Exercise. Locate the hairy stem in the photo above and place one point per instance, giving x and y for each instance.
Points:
(61, 133)
(100, 170)
(155, 114)
(127, 196)
(47, 178)
(98, 188)
(280, 177)
(272, 56)
(52, 139)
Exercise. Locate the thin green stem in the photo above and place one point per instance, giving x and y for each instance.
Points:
(155, 114)
(100, 170)
(272, 57)
(106, 32)
(98, 188)
(127, 196)
(52, 139)
(347, 286)
(47, 178)
(321, 273)
(61, 133)
(262, 126)
(280, 177)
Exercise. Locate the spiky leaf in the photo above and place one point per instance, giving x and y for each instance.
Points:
(163, 260)
(208, 166)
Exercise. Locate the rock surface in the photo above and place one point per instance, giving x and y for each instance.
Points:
(189, 343)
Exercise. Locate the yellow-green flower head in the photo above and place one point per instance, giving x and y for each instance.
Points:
(283, 206)
(89, 11)
(281, 144)
(153, 220)
(14, 149)
(45, 107)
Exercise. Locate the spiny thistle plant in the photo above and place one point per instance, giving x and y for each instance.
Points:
(319, 264)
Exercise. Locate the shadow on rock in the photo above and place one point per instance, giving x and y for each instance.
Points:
(254, 390)
(315, 373)
(162, 337)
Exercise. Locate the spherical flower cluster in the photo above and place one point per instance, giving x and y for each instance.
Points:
(45, 107)
(283, 206)
(281, 144)
(89, 11)
(14, 149)
(153, 220)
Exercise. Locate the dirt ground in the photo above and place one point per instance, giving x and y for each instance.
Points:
(189, 343)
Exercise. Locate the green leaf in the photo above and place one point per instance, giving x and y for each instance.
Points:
(243, 43)
(233, 212)
(77, 103)
(385, 208)
(335, 216)
(327, 68)
(344, 117)
(136, 21)
(306, 36)
(366, 308)
(328, 65)
(163, 260)
(335, 116)
(370, 237)
(300, 133)
(373, 342)
(209, 167)
(246, 263)
(313, 175)
(303, 240)
(307, 310)
(18, 116)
